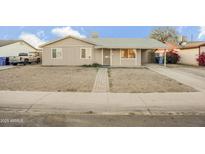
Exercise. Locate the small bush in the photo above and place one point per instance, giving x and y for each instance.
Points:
(201, 59)
(172, 57)
(92, 65)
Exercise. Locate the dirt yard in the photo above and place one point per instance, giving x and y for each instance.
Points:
(142, 80)
(38, 78)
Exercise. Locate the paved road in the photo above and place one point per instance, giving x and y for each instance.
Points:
(93, 120)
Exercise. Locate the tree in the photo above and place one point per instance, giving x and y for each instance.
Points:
(165, 34)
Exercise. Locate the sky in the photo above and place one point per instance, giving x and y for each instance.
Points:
(37, 35)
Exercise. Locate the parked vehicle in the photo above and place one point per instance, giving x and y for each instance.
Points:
(25, 58)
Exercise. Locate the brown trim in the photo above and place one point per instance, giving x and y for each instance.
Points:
(188, 48)
(191, 47)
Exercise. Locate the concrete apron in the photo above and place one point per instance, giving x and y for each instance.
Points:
(103, 103)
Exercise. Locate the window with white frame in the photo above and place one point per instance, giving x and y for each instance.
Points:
(128, 53)
(56, 53)
(85, 53)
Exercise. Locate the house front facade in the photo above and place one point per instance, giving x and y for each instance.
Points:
(190, 51)
(72, 51)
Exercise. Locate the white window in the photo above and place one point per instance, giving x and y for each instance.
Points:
(85, 53)
(56, 53)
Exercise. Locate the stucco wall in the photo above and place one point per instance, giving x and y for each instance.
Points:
(15, 49)
(202, 49)
(139, 57)
(71, 53)
(115, 57)
(98, 56)
(147, 56)
(188, 56)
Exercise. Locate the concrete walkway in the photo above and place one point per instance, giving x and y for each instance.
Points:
(101, 82)
(106, 103)
(186, 78)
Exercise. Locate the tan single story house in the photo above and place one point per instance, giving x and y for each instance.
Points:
(105, 51)
(190, 51)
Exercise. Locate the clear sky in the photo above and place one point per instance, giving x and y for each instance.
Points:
(37, 35)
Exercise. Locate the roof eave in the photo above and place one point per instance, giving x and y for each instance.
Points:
(70, 36)
(129, 47)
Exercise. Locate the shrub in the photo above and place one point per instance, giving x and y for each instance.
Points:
(172, 57)
(201, 59)
(92, 65)
(96, 65)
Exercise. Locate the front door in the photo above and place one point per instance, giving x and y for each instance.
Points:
(106, 56)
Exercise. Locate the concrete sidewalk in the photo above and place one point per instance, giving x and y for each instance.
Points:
(146, 103)
(6, 67)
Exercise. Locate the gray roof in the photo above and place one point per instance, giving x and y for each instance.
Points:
(141, 43)
(7, 42)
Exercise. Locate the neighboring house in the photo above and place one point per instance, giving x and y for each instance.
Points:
(170, 47)
(190, 51)
(105, 51)
(14, 47)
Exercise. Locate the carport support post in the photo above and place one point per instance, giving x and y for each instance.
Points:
(165, 58)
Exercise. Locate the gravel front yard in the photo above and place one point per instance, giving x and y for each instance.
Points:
(142, 80)
(38, 78)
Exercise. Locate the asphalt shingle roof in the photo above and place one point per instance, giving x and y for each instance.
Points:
(142, 43)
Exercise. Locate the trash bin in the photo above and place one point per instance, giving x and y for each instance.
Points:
(161, 60)
(4, 61)
(7, 61)
(1, 61)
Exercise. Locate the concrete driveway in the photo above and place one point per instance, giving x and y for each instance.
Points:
(190, 78)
